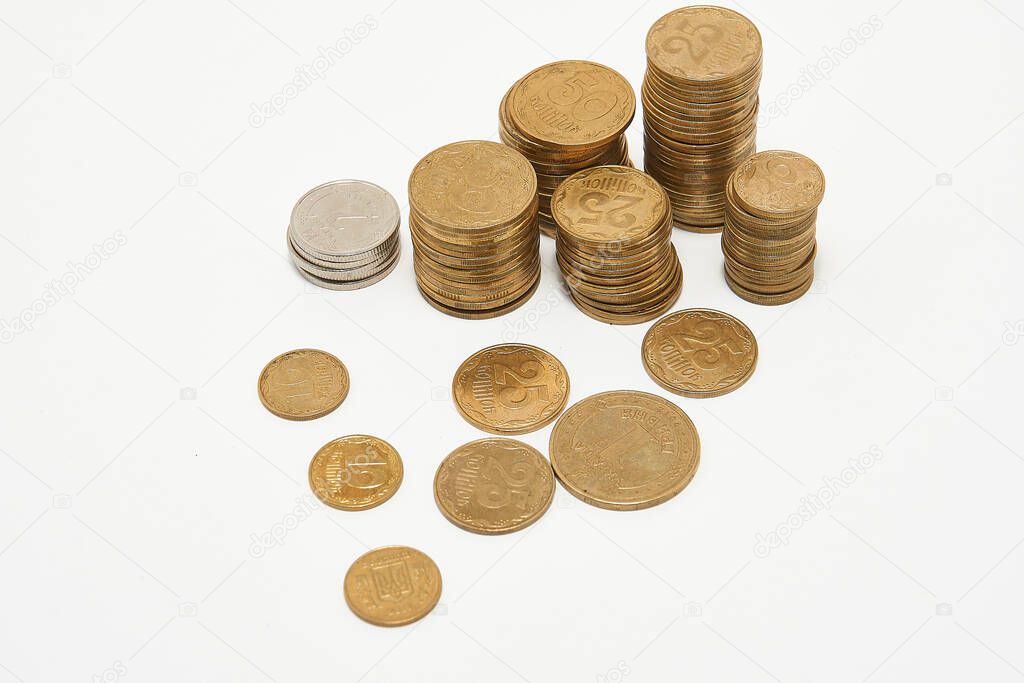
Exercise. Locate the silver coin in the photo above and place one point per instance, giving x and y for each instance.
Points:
(343, 218)
(345, 274)
(348, 286)
(375, 255)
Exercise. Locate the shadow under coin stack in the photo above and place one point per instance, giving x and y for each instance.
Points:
(614, 244)
(771, 215)
(565, 117)
(473, 220)
(700, 108)
(344, 234)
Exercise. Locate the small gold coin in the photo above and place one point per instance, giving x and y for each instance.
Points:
(392, 586)
(494, 486)
(355, 472)
(699, 353)
(510, 388)
(303, 384)
(779, 184)
(624, 450)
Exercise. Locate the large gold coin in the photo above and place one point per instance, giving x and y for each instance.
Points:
(609, 204)
(701, 44)
(510, 388)
(392, 586)
(624, 450)
(303, 384)
(494, 486)
(355, 472)
(699, 353)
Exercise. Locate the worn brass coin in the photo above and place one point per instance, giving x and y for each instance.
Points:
(778, 184)
(494, 486)
(510, 388)
(624, 450)
(355, 472)
(699, 353)
(392, 586)
(303, 384)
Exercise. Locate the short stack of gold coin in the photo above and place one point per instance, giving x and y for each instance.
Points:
(565, 117)
(770, 223)
(700, 108)
(614, 244)
(473, 220)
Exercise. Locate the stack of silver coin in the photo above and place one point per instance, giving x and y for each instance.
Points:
(344, 234)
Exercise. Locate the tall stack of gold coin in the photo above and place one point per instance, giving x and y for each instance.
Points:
(700, 108)
(473, 220)
(614, 244)
(770, 224)
(565, 117)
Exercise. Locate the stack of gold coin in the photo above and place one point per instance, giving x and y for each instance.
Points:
(565, 117)
(614, 244)
(771, 217)
(473, 219)
(700, 108)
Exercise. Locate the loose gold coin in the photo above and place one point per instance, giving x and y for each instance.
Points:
(624, 450)
(699, 353)
(510, 388)
(392, 586)
(355, 472)
(494, 486)
(303, 384)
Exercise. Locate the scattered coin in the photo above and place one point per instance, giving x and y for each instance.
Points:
(771, 223)
(624, 450)
(303, 384)
(564, 117)
(343, 234)
(700, 108)
(614, 244)
(473, 219)
(494, 486)
(510, 388)
(392, 586)
(699, 353)
(355, 472)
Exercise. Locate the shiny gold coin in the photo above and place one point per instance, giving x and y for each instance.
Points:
(778, 184)
(700, 44)
(510, 388)
(609, 204)
(624, 450)
(392, 586)
(494, 486)
(303, 384)
(355, 472)
(699, 353)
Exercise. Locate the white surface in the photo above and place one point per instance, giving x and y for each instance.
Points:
(128, 513)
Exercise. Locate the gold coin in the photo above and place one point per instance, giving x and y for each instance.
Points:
(355, 472)
(392, 586)
(609, 204)
(472, 184)
(510, 388)
(303, 384)
(699, 353)
(624, 450)
(778, 184)
(494, 486)
(701, 44)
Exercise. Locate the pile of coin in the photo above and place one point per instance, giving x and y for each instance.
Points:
(771, 216)
(344, 234)
(700, 108)
(473, 219)
(565, 117)
(614, 244)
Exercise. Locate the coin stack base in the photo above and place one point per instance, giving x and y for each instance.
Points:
(769, 241)
(343, 235)
(565, 117)
(700, 108)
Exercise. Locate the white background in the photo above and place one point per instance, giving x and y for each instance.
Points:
(138, 466)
